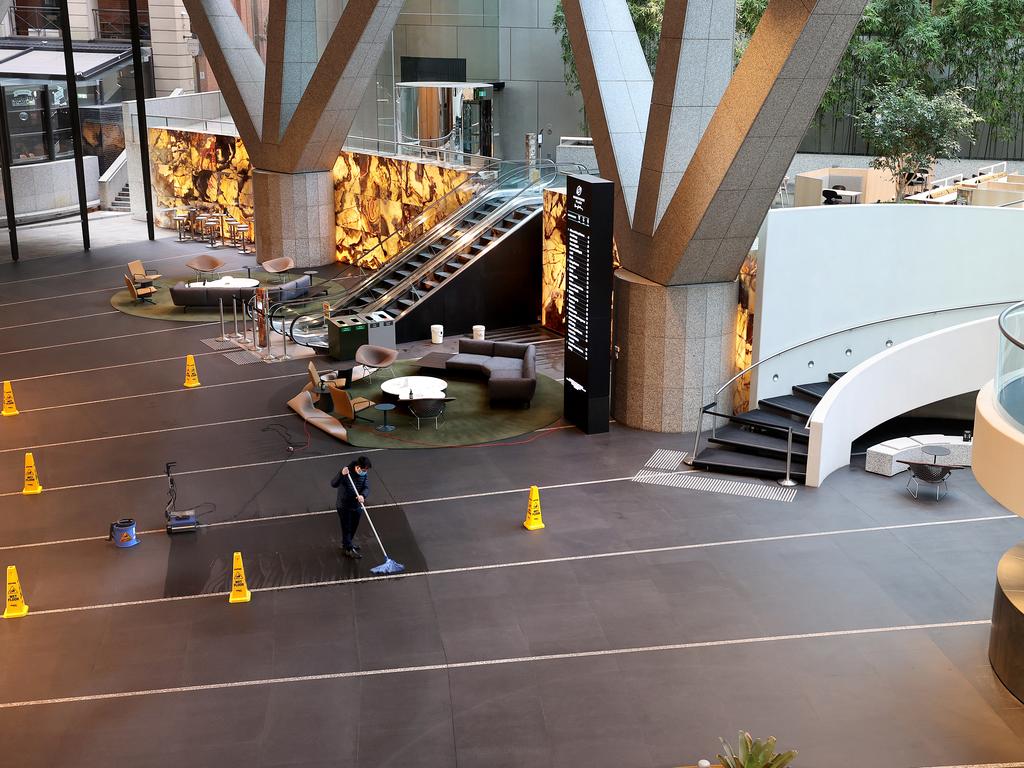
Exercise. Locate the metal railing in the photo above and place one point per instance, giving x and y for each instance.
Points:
(33, 21)
(1009, 382)
(709, 408)
(115, 24)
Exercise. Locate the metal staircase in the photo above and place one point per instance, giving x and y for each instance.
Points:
(760, 442)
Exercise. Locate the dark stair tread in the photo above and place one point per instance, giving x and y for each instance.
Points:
(788, 404)
(815, 389)
(758, 442)
(834, 377)
(759, 418)
(738, 463)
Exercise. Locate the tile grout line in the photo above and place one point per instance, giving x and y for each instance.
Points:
(96, 269)
(164, 392)
(112, 367)
(189, 327)
(59, 320)
(476, 568)
(449, 666)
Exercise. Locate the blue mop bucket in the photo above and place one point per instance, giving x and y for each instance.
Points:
(122, 533)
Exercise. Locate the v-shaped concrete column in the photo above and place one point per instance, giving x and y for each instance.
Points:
(295, 112)
(709, 175)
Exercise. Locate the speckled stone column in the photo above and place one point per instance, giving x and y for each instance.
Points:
(673, 350)
(295, 217)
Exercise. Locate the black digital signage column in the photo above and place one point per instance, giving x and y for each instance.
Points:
(588, 301)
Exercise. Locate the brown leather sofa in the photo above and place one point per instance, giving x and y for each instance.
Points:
(511, 369)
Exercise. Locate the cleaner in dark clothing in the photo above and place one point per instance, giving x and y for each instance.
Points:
(353, 484)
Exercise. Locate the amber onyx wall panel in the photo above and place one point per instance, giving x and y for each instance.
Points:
(200, 170)
(552, 295)
(381, 203)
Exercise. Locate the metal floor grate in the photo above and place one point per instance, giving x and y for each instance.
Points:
(697, 481)
(243, 357)
(218, 345)
(663, 459)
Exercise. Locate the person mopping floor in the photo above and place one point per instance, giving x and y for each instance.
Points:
(353, 484)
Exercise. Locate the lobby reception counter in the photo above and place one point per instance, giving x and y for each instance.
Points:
(1006, 642)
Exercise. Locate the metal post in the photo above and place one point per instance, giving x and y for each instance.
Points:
(788, 481)
(234, 311)
(223, 336)
(284, 342)
(696, 439)
(140, 102)
(76, 121)
(5, 160)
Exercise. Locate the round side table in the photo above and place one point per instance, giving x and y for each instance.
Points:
(385, 408)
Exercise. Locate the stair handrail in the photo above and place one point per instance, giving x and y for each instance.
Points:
(714, 403)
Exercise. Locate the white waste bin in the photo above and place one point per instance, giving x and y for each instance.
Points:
(436, 334)
(478, 332)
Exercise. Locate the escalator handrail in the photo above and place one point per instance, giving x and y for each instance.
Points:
(465, 239)
(420, 218)
(397, 261)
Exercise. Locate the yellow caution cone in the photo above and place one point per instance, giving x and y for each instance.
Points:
(15, 599)
(239, 591)
(10, 409)
(533, 521)
(32, 485)
(191, 374)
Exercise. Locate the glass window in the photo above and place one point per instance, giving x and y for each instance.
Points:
(27, 124)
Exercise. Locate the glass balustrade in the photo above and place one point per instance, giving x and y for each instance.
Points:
(1009, 383)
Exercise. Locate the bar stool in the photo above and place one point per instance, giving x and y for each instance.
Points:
(199, 227)
(243, 235)
(212, 229)
(229, 237)
(180, 222)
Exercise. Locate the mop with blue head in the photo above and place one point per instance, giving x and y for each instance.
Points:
(389, 566)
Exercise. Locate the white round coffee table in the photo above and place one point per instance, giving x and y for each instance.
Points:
(420, 387)
(228, 281)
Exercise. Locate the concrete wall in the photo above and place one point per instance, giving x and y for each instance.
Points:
(501, 40)
(824, 269)
(205, 112)
(173, 66)
(47, 190)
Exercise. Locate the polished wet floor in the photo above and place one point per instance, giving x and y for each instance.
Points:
(639, 626)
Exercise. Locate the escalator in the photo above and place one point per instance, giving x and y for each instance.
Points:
(478, 265)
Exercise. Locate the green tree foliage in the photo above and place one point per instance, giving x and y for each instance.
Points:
(909, 129)
(975, 47)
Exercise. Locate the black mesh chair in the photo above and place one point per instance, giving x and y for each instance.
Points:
(930, 474)
(831, 196)
(428, 408)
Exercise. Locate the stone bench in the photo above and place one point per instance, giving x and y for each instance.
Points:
(883, 459)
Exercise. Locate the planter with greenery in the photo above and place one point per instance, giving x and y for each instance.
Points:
(753, 753)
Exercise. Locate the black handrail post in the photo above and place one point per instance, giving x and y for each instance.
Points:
(140, 103)
(76, 120)
(5, 159)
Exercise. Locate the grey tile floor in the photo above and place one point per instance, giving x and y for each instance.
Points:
(642, 623)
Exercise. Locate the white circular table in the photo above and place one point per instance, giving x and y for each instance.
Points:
(421, 387)
(227, 282)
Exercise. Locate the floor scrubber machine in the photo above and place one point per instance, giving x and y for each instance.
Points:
(178, 520)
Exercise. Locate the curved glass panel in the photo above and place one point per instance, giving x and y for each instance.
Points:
(1009, 382)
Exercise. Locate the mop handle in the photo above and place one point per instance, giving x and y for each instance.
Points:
(368, 518)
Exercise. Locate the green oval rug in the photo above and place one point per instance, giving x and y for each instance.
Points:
(469, 420)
